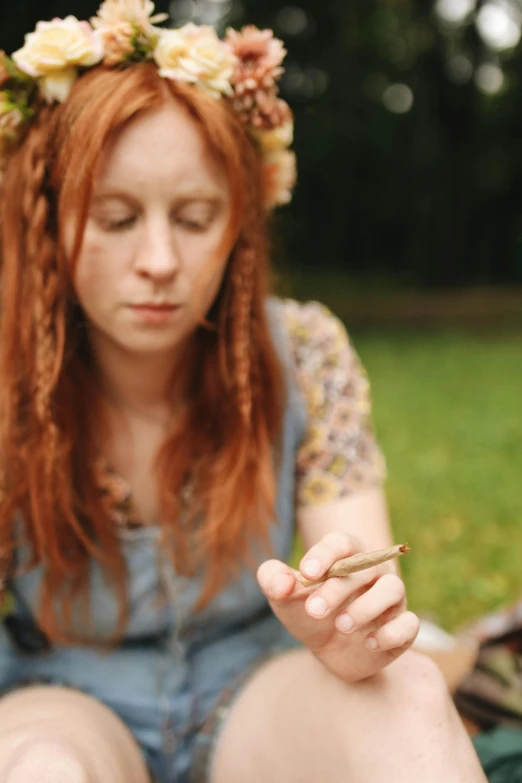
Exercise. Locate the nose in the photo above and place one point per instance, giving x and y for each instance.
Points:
(158, 257)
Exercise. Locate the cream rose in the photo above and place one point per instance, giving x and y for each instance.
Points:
(275, 139)
(58, 85)
(197, 56)
(140, 13)
(59, 46)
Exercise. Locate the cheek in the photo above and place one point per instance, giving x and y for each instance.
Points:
(208, 283)
(207, 269)
(92, 277)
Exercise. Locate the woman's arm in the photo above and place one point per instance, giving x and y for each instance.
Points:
(357, 624)
(363, 514)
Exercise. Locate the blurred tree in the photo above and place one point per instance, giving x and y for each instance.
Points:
(410, 167)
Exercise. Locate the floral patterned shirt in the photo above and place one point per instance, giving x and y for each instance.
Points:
(339, 454)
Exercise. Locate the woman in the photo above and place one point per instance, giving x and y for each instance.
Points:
(163, 424)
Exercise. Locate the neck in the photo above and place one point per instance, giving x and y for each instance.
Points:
(148, 386)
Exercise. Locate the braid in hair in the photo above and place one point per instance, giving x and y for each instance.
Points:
(243, 285)
(241, 327)
(29, 338)
(44, 340)
(42, 266)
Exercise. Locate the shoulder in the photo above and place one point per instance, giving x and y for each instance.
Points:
(339, 454)
(307, 320)
(318, 340)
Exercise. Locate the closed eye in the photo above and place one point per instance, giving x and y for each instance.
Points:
(119, 224)
(196, 216)
(193, 225)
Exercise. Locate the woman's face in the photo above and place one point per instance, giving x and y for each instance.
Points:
(152, 258)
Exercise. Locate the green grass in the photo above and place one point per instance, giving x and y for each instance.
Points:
(448, 414)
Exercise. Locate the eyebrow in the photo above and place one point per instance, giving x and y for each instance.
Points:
(183, 195)
(112, 195)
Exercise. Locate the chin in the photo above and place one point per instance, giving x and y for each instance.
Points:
(150, 347)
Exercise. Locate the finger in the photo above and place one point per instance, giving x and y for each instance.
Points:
(276, 579)
(387, 592)
(399, 633)
(331, 548)
(336, 592)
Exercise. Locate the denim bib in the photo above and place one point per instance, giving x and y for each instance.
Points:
(171, 666)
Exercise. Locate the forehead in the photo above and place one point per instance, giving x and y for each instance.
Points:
(165, 146)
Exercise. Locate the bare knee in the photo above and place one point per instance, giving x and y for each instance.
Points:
(57, 735)
(296, 720)
(416, 669)
(46, 761)
(416, 685)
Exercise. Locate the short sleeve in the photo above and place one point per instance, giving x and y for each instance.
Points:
(339, 454)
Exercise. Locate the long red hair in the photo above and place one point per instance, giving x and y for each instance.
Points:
(50, 418)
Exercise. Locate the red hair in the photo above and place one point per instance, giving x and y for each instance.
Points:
(50, 415)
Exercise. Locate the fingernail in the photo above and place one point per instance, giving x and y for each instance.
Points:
(312, 567)
(317, 606)
(279, 585)
(371, 643)
(345, 623)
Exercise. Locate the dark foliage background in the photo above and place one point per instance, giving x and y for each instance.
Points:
(409, 147)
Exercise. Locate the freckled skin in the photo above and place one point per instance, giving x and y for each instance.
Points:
(156, 222)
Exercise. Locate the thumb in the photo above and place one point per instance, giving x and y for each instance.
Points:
(276, 579)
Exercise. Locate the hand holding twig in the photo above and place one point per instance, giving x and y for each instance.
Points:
(350, 565)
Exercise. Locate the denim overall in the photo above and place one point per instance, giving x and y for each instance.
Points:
(166, 675)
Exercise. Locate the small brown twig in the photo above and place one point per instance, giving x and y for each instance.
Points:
(350, 565)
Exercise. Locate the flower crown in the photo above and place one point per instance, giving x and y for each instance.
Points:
(244, 68)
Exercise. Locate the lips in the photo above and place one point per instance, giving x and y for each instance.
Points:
(155, 312)
(155, 306)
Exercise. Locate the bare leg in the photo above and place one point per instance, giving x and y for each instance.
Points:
(58, 735)
(295, 721)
